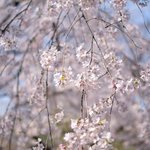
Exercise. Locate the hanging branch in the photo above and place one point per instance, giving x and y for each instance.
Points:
(143, 18)
(73, 24)
(93, 36)
(55, 29)
(47, 109)
(82, 104)
(16, 110)
(10, 22)
(17, 96)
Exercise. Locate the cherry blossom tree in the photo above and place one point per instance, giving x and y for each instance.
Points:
(74, 75)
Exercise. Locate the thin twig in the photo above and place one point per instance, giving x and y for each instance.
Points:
(143, 18)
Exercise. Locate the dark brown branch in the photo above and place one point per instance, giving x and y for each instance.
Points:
(17, 97)
(94, 38)
(143, 18)
(47, 109)
(82, 103)
(10, 22)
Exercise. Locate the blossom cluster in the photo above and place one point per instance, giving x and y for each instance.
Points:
(76, 75)
(91, 132)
